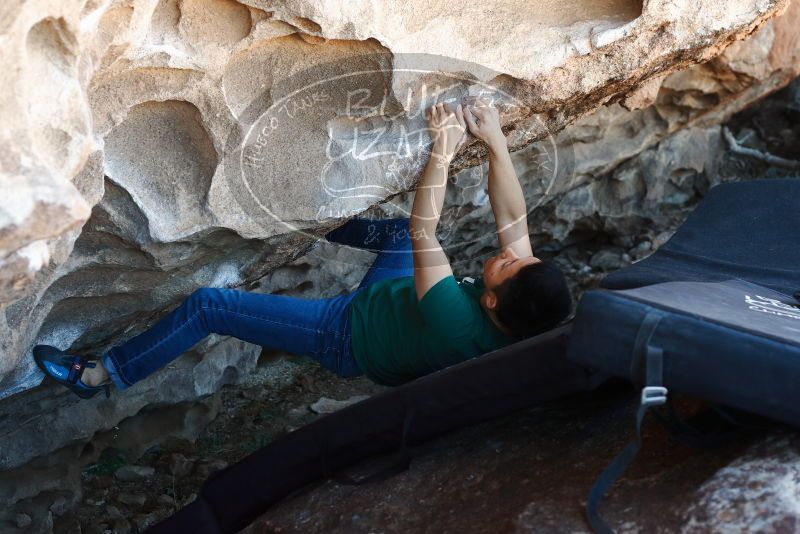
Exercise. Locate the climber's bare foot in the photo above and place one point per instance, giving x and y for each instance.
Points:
(95, 376)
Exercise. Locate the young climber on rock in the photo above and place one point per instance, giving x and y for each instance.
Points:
(408, 317)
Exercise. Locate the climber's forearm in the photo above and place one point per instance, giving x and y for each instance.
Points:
(505, 192)
(429, 195)
(430, 261)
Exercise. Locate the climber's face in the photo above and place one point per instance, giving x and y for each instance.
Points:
(503, 266)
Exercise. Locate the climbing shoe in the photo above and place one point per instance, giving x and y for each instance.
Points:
(67, 369)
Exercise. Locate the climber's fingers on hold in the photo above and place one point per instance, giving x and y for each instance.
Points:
(433, 114)
(460, 116)
(470, 118)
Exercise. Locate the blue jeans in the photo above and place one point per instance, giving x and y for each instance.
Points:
(319, 328)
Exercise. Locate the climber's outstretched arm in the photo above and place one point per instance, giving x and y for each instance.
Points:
(447, 128)
(505, 192)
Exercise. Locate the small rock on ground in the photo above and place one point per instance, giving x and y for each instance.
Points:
(166, 499)
(59, 506)
(179, 465)
(144, 521)
(94, 528)
(112, 512)
(130, 473)
(607, 260)
(206, 469)
(23, 520)
(131, 499)
(121, 526)
(325, 405)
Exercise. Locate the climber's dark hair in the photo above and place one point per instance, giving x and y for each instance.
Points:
(534, 300)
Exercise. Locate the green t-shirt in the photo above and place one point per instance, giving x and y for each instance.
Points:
(396, 339)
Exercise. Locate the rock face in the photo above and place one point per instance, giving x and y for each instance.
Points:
(758, 492)
(153, 147)
(124, 116)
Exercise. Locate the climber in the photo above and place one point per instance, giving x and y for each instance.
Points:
(408, 317)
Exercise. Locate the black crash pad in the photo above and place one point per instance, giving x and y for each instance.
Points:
(722, 292)
(514, 377)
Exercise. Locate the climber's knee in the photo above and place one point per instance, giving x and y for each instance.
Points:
(204, 297)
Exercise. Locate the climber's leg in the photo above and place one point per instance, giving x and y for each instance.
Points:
(373, 235)
(390, 238)
(395, 259)
(318, 328)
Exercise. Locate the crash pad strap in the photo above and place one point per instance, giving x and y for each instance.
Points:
(640, 365)
(649, 362)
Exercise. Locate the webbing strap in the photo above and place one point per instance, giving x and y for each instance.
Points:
(649, 362)
(76, 365)
(75, 373)
(639, 365)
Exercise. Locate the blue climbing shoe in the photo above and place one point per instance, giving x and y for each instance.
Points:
(67, 369)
